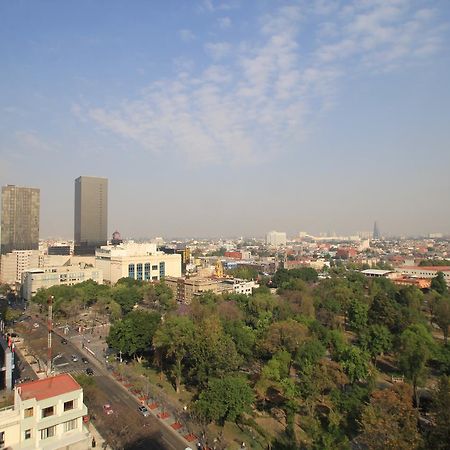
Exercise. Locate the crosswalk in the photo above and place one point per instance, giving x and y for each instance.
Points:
(75, 370)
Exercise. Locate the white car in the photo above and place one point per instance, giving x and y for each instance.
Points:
(74, 358)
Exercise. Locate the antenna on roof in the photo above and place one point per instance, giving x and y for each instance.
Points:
(49, 339)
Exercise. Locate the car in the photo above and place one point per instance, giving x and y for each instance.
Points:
(144, 411)
(89, 371)
(84, 360)
(74, 358)
(107, 409)
(63, 341)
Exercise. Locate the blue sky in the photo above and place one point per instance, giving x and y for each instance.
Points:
(231, 118)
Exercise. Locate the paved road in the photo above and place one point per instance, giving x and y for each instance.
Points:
(159, 437)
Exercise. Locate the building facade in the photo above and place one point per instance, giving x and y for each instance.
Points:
(13, 264)
(45, 277)
(19, 218)
(425, 272)
(276, 238)
(47, 414)
(91, 214)
(137, 261)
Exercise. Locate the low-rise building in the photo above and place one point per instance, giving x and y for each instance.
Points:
(240, 286)
(137, 261)
(425, 271)
(35, 279)
(47, 414)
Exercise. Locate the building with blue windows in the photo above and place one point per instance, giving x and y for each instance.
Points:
(138, 261)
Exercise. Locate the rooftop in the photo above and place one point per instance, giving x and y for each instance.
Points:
(436, 268)
(48, 387)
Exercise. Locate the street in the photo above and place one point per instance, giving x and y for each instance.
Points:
(127, 428)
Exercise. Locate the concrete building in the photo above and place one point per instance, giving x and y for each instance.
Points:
(13, 264)
(137, 261)
(91, 214)
(47, 414)
(35, 279)
(276, 238)
(240, 286)
(424, 272)
(19, 219)
(185, 289)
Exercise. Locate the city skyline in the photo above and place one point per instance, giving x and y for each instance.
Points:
(219, 118)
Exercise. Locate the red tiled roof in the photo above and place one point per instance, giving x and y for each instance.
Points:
(48, 387)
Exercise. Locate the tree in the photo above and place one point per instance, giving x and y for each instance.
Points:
(441, 315)
(285, 335)
(225, 399)
(390, 420)
(416, 344)
(439, 438)
(375, 340)
(384, 310)
(134, 334)
(126, 296)
(355, 363)
(173, 339)
(213, 353)
(357, 315)
(439, 284)
(243, 336)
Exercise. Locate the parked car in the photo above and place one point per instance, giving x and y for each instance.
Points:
(63, 341)
(107, 409)
(89, 371)
(144, 411)
(84, 360)
(74, 358)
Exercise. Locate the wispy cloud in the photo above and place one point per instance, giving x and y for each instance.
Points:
(224, 23)
(257, 99)
(186, 35)
(29, 141)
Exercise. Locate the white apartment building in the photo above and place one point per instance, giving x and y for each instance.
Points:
(276, 238)
(242, 286)
(137, 261)
(47, 414)
(35, 279)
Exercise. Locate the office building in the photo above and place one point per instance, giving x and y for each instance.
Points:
(47, 414)
(20, 218)
(137, 261)
(13, 264)
(276, 238)
(46, 277)
(91, 214)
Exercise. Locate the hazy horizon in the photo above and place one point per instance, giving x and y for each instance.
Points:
(231, 118)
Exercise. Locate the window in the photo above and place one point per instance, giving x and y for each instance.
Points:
(28, 412)
(47, 412)
(162, 270)
(48, 432)
(70, 425)
(155, 267)
(139, 271)
(27, 434)
(147, 271)
(69, 405)
(131, 271)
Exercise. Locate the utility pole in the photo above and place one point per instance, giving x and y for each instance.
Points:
(49, 338)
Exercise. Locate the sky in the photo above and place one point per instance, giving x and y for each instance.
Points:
(231, 118)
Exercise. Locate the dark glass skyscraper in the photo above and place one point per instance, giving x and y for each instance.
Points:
(20, 218)
(91, 213)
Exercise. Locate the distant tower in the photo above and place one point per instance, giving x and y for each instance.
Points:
(218, 272)
(91, 214)
(376, 232)
(19, 218)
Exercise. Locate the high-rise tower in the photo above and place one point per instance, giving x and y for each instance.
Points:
(376, 232)
(91, 214)
(20, 218)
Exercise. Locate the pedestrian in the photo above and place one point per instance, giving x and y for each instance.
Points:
(94, 443)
